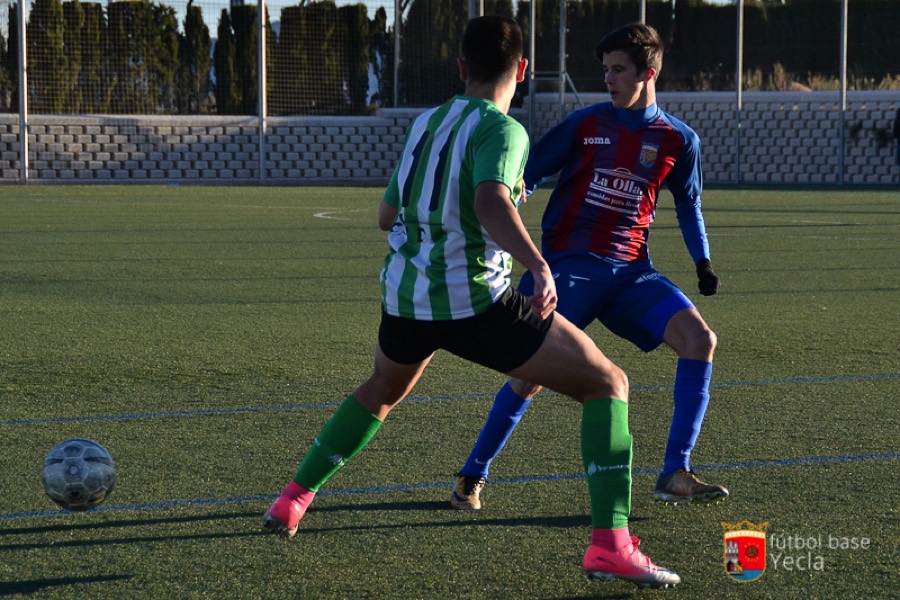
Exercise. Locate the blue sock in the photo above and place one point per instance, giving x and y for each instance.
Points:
(505, 414)
(691, 399)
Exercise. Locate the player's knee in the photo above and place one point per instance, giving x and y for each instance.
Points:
(618, 384)
(523, 388)
(611, 382)
(701, 344)
(708, 341)
(379, 391)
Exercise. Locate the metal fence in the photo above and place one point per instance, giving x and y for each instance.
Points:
(564, 68)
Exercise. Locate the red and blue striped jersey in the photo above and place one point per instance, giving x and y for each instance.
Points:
(612, 163)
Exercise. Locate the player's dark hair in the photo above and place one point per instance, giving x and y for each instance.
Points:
(640, 42)
(492, 47)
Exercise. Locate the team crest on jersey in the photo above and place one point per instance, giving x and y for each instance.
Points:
(649, 153)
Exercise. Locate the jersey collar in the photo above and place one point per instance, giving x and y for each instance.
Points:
(635, 119)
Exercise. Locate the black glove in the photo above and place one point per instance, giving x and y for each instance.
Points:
(709, 281)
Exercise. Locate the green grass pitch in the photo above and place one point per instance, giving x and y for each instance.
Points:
(205, 334)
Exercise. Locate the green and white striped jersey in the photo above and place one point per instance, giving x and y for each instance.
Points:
(442, 264)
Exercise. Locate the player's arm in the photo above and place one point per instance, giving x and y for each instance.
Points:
(497, 214)
(387, 214)
(390, 203)
(548, 155)
(686, 183)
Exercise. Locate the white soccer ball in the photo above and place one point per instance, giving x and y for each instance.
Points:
(78, 474)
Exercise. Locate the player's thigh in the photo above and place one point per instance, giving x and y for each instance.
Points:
(640, 312)
(570, 363)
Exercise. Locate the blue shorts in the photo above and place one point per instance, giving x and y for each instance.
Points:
(632, 300)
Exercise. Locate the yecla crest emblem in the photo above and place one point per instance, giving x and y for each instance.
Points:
(745, 550)
(648, 155)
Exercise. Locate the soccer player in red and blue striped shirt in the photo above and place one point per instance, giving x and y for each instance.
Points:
(612, 159)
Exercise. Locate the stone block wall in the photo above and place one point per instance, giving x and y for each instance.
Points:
(784, 138)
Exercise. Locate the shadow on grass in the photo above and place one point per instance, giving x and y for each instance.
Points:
(308, 526)
(125, 523)
(40, 585)
(602, 597)
(444, 506)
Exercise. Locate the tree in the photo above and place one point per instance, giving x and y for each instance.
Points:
(12, 57)
(227, 94)
(428, 70)
(96, 93)
(381, 57)
(142, 56)
(5, 79)
(47, 62)
(354, 55)
(322, 44)
(291, 65)
(193, 81)
(73, 16)
(246, 41)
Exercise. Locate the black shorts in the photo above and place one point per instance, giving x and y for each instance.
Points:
(502, 338)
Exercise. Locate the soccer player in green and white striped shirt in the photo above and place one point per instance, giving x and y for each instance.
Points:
(450, 210)
(442, 263)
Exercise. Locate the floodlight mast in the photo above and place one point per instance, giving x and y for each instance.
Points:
(843, 107)
(23, 98)
(263, 96)
(739, 83)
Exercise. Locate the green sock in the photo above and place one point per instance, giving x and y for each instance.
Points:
(606, 454)
(346, 433)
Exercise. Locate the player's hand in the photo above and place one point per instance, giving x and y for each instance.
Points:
(709, 281)
(543, 301)
(523, 195)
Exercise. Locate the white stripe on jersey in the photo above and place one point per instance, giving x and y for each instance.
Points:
(421, 296)
(457, 272)
(393, 272)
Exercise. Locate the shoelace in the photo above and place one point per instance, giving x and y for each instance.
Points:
(637, 554)
(470, 483)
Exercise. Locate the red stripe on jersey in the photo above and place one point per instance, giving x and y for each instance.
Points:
(584, 155)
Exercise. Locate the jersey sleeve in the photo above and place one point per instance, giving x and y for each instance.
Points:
(392, 191)
(685, 181)
(549, 154)
(499, 152)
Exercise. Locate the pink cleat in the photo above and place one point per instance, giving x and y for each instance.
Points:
(629, 564)
(283, 517)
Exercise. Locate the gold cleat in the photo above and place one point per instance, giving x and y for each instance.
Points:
(684, 486)
(466, 494)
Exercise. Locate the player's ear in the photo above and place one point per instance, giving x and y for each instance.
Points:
(649, 75)
(463, 69)
(520, 70)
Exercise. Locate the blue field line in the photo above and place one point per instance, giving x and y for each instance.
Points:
(784, 462)
(290, 407)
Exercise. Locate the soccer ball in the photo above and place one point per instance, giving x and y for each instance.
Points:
(78, 474)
